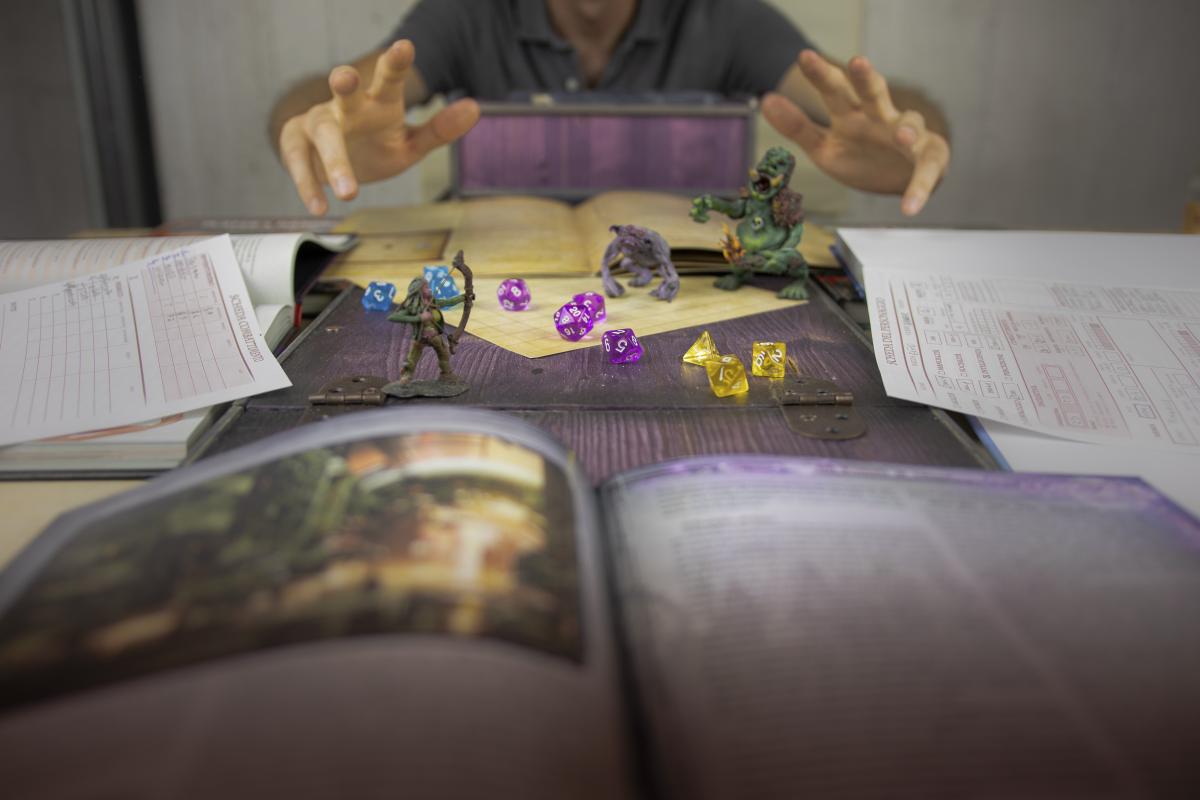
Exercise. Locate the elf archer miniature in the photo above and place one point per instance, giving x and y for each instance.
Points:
(772, 224)
(423, 312)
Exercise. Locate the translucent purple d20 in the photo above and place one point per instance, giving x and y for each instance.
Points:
(573, 321)
(622, 346)
(594, 303)
(513, 295)
(378, 296)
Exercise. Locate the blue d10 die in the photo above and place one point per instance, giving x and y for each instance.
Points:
(379, 296)
(573, 322)
(513, 295)
(622, 346)
(441, 283)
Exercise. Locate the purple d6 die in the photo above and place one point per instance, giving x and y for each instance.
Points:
(513, 295)
(622, 346)
(573, 321)
(379, 296)
(594, 303)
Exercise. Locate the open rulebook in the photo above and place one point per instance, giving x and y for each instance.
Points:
(77, 355)
(437, 603)
(522, 236)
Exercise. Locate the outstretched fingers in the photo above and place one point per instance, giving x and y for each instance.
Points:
(872, 89)
(447, 125)
(835, 88)
(297, 158)
(787, 118)
(909, 132)
(931, 164)
(329, 140)
(391, 71)
(346, 85)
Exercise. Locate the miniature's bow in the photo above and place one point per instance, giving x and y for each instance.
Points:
(468, 298)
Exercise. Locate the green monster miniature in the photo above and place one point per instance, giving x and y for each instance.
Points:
(772, 224)
(423, 312)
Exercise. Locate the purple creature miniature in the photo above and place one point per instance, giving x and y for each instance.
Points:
(640, 251)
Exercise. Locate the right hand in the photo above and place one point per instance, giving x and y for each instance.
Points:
(426, 316)
(360, 135)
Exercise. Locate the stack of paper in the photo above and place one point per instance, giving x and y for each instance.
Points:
(1093, 338)
(164, 336)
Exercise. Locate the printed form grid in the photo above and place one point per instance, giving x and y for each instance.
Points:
(80, 355)
(193, 336)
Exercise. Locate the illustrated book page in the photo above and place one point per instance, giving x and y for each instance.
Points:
(169, 334)
(1053, 332)
(409, 599)
(838, 629)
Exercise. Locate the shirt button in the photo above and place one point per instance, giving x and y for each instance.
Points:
(572, 84)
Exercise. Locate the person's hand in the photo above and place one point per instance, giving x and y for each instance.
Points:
(361, 135)
(426, 316)
(869, 143)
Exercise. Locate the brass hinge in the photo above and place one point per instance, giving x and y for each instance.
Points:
(818, 409)
(361, 390)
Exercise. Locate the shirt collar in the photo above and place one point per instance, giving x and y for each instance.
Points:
(533, 22)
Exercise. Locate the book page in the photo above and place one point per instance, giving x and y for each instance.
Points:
(832, 629)
(166, 335)
(397, 603)
(504, 237)
(1047, 332)
(501, 237)
(267, 260)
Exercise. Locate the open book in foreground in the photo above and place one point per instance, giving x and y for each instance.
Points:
(438, 604)
(277, 269)
(521, 236)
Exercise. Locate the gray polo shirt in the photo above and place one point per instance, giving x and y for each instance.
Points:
(489, 49)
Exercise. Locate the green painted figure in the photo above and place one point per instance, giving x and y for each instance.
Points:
(423, 311)
(772, 223)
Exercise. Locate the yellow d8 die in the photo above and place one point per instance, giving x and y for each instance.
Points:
(726, 376)
(769, 359)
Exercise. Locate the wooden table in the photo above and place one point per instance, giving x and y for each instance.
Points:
(618, 417)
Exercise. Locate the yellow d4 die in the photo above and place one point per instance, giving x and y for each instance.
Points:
(701, 350)
(727, 376)
(769, 359)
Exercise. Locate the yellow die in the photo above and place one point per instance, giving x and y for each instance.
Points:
(769, 359)
(726, 376)
(701, 350)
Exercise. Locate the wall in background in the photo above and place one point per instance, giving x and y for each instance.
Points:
(44, 190)
(1072, 113)
(215, 69)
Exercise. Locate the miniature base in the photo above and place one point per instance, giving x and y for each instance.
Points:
(447, 387)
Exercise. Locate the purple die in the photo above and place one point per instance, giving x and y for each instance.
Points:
(573, 321)
(594, 303)
(378, 296)
(513, 294)
(622, 346)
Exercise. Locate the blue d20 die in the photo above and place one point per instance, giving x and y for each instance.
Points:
(441, 284)
(378, 296)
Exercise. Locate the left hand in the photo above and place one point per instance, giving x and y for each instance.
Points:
(869, 143)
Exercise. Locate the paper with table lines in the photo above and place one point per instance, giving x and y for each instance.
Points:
(165, 335)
